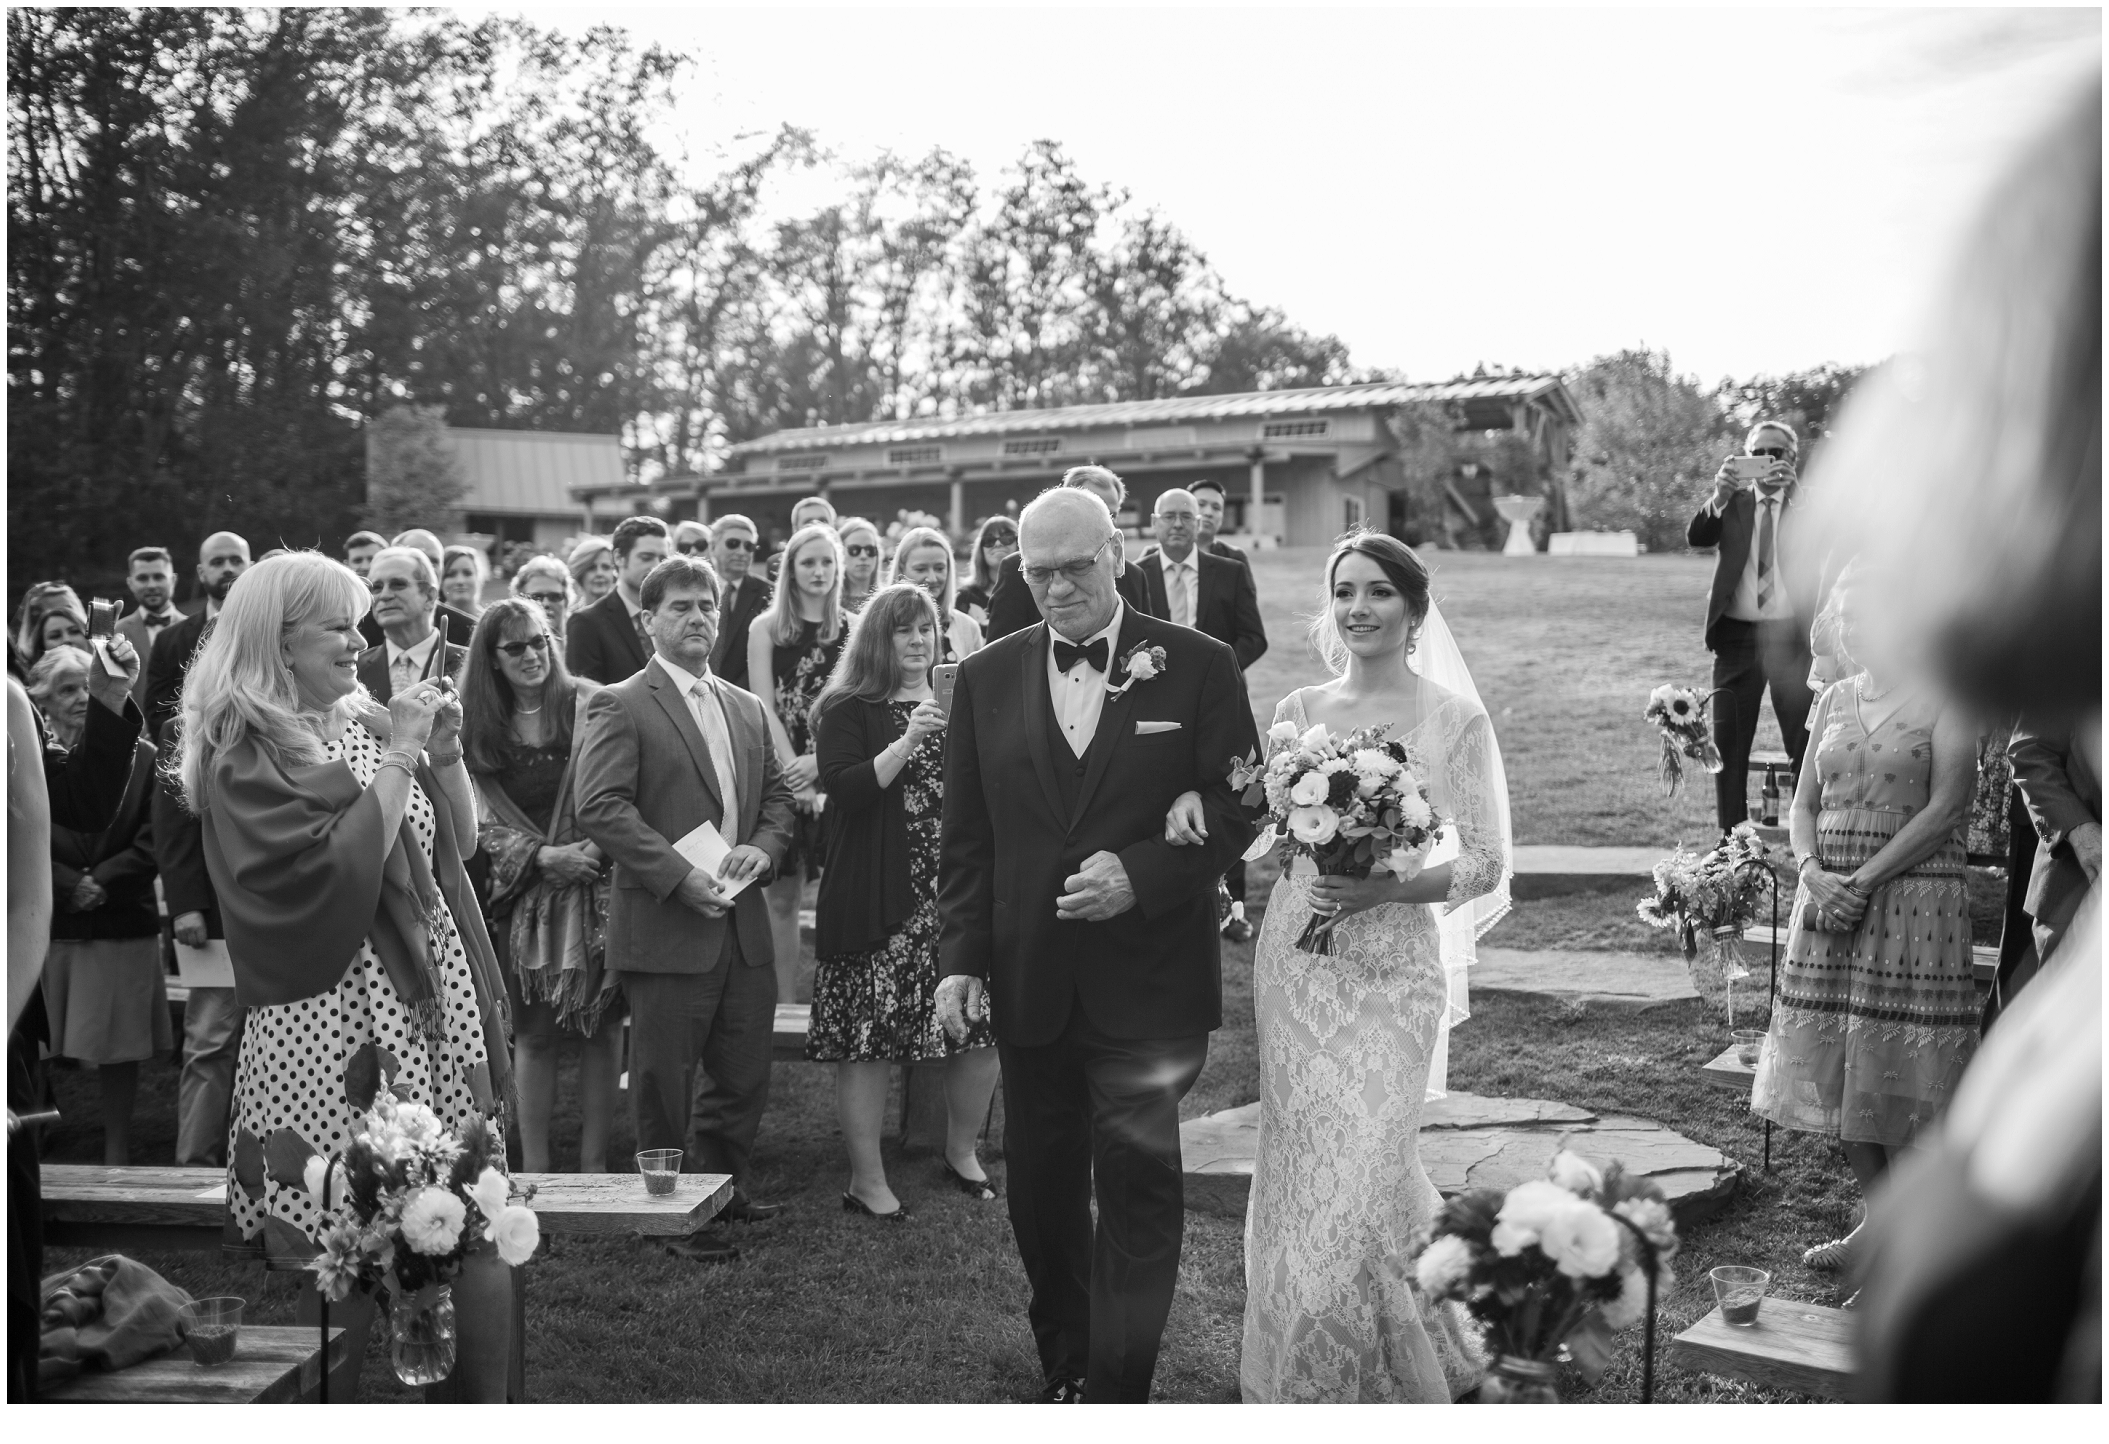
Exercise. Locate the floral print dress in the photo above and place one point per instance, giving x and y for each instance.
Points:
(880, 1004)
(801, 669)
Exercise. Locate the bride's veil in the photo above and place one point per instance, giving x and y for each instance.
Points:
(1438, 660)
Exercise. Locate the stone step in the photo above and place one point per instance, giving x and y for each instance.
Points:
(1469, 1141)
(1619, 982)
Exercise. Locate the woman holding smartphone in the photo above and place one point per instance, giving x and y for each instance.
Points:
(879, 730)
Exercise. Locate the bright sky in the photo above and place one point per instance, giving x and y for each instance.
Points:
(1753, 190)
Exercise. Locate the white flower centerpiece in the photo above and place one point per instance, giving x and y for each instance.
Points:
(1349, 803)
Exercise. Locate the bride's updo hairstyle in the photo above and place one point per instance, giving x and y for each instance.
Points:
(1402, 566)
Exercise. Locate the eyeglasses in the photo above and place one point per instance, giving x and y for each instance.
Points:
(689, 549)
(517, 650)
(1777, 453)
(862, 549)
(547, 599)
(392, 584)
(1001, 539)
(1176, 516)
(736, 543)
(1076, 571)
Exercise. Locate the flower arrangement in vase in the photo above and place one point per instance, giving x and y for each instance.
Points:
(1566, 1260)
(1713, 896)
(1349, 803)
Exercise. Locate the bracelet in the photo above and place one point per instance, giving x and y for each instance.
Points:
(397, 759)
(444, 759)
(1802, 864)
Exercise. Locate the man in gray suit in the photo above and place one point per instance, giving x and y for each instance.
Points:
(663, 752)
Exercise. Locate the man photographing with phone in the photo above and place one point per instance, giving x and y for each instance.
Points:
(1756, 627)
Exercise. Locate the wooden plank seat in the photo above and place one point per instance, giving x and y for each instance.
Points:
(793, 1022)
(272, 1364)
(1806, 1348)
(1728, 1072)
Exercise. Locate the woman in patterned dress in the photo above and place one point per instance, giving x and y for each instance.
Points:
(1877, 1011)
(881, 748)
(792, 649)
(334, 834)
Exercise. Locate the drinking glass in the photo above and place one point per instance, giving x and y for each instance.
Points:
(659, 1168)
(1739, 1291)
(1748, 1041)
(211, 1328)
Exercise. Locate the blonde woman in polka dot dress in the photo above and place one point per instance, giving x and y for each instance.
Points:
(1878, 1010)
(334, 834)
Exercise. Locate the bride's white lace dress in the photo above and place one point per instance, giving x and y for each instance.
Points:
(1345, 1042)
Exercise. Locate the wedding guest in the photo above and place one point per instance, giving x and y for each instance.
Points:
(2063, 792)
(1208, 506)
(810, 510)
(222, 558)
(463, 574)
(406, 605)
(42, 597)
(593, 568)
(879, 732)
(606, 641)
(692, 538)
(455, 625)
(1011, 605)
(994, 540)
(335, 836)
(1828, 660)
(521, 716)
(860, 561)
(924, 557)
(664, 753)
(359, 549)
(1877, 1009)
(792, 649)
(732, 542)
(546, 582)
(62, 622)
(151, 579)
(1754, 611)
(212, 1016)
(103, 991)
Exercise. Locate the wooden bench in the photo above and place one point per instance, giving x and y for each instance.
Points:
(1729, 1073)
(272, 1364)
(1806, 1348)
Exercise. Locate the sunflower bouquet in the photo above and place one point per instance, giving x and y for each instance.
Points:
(1679, 715)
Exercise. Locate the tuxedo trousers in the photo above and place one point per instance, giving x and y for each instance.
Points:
(1086, 1110)
(721, 1022)
(1750, 657)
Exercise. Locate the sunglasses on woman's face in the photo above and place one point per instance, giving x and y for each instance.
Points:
(862, 549)
(517, 650)
(547, 599)
(690, 548)
(1001, 540)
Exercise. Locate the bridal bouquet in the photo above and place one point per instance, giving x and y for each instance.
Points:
(1350, 804)
(1679, 715)
(1564, 1259)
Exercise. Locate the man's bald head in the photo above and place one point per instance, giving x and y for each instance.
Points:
(222, 557)
(1071, 555)
(418, 539)
(222, 541)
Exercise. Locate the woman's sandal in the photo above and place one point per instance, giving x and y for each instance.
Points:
(853, 1204)
(1829, 1257)
(981, 1188)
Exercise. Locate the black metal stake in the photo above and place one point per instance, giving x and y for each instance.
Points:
(322, 1391)
(1647, 1344)
(1772, 996)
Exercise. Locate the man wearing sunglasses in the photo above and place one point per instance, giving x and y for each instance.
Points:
(1757, 611)
(732, 544)
(405, 593)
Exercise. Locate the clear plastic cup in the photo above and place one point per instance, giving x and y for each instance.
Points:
(1748, 1041)
(1739, 1291)
(211, 1329)
(659, 1167)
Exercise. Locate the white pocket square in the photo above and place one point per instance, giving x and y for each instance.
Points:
(1145, 729)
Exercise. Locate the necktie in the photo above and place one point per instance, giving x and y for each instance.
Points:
(1764, 557)
(403, 672)
(644, 635)
(1183, 594)
(710, 721)
(1067, 656)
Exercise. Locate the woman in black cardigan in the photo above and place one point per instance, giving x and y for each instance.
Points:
(878, 739)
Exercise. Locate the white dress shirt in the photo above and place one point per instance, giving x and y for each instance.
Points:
(1743, 605)
(1182, 586)
(411, 664)
(1079, 694)
(708, 708)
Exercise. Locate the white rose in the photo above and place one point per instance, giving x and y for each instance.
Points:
(1405, 863)
(1282, 731)
(1314, 825)
(1525, 1213)
(432, 1221)
(1574, 1173)
(1625, 1311)
(1653, 1218)
(518, 1232)
(1443, 1265)
(1142, 666)
(489, 1191)
(1583, 1241)
(1316, 739)
(1310, 789)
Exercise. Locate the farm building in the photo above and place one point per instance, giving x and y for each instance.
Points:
(540, 487)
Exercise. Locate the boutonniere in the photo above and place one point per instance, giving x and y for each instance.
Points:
(1141, 664)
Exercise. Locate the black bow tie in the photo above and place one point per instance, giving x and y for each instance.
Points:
(1067, 656)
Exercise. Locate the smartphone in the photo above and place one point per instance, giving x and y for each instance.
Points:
(1749, 470)
(102, 626)
(943, 678)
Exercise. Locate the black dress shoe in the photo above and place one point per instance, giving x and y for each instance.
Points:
(746, 1210)
(703, 1248)
(853, 1204)
(1063, 1390)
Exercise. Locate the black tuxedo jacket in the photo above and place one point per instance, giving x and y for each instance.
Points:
(1154, 971)
(1011, 607)
(601, 642)
(1226, 603)
(458, 625)
(373, 667)
(737, 610)
(1732, 533)
(1220, 548)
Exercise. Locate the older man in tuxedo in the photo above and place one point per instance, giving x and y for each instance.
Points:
(1090, 940)
(1011, 605)
(664, 752)
(405, 590)
(1757, 612)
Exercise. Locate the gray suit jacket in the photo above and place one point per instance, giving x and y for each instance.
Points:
(641, 784)
(2062, 793)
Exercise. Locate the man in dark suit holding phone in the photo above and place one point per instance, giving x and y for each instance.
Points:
(1757, 611)
(1090, 940)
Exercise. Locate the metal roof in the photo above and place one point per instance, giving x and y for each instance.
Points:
(535, 473)
(1369, 395)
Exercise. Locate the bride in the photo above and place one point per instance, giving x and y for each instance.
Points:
(1353, 1044)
